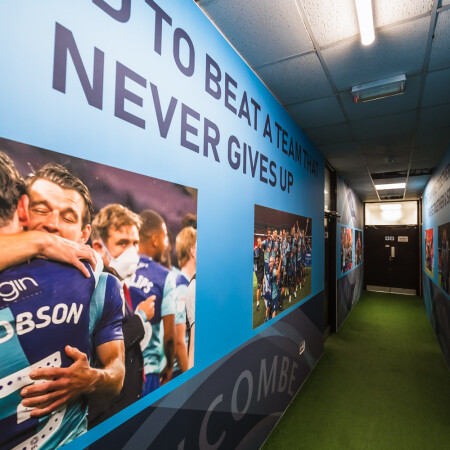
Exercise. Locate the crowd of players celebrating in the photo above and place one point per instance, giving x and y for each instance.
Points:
(280, 263)
(85, 330)
(346, 249)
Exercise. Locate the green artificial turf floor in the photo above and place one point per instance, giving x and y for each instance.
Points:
(382, 383)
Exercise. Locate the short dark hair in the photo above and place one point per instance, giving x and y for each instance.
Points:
(151, 224)
(189, 220)
(64, 179)
(12, 187)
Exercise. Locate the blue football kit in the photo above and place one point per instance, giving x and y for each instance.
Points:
(275, 247)
(45, 306)
(285, 254)
(151, 278)
(267, 288)
(276, 291)
(267, 246)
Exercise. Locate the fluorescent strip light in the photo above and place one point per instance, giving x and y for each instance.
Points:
(384, 187)
(365, 19)
(390, 206)
(379, 89)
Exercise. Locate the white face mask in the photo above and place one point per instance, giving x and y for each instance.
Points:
(126, 263)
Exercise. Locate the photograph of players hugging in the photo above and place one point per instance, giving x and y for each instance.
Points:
(97, 298)
(282, 256)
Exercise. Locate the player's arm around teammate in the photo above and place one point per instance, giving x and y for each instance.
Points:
(60, 204)
(67, 384)
(19, 246)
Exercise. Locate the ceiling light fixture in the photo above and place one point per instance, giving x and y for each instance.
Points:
(379, 89)
(384, 187)
(365, 19)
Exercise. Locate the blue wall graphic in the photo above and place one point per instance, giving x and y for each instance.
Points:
(151, 87)
(436, 216)
(234, 402)
(349, 273)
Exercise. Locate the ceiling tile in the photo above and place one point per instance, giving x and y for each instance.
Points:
(396, 124)
(386, 12)
(296, 79)
(315, 113)
(329, 135)
(383, 167)
(339, 150)
(260, 30)
(437, 89)
(398, 103)
(342, 164)
(428, 163)
(430, 137)
(347, 163)
(362, 186)
(396, 50)
(382, 144)
(356, 178)
(428, 156)
(399, 158)
(440, 49)
(434, 117)
(331, 21)
(388, 154)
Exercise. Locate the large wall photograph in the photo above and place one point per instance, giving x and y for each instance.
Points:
(429, 251)
(346, 249)
(349, 268)
(444, 256)
(436, 216)
(140, 305)
(358, 248)
(282, 257)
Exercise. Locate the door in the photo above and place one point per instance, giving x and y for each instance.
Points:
(329, 297)
(392, 259)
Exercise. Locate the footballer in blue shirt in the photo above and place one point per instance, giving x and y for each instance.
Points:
(152, 278)
(53, 321)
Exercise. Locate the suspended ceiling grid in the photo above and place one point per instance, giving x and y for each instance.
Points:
(309, 54)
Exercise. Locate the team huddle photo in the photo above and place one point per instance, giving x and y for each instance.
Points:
(97, 292)
(282, 257)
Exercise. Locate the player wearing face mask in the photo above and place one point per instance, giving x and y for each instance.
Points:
(115, 236)
(124, 265)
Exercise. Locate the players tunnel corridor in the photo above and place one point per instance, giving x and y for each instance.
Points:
(382, 383)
